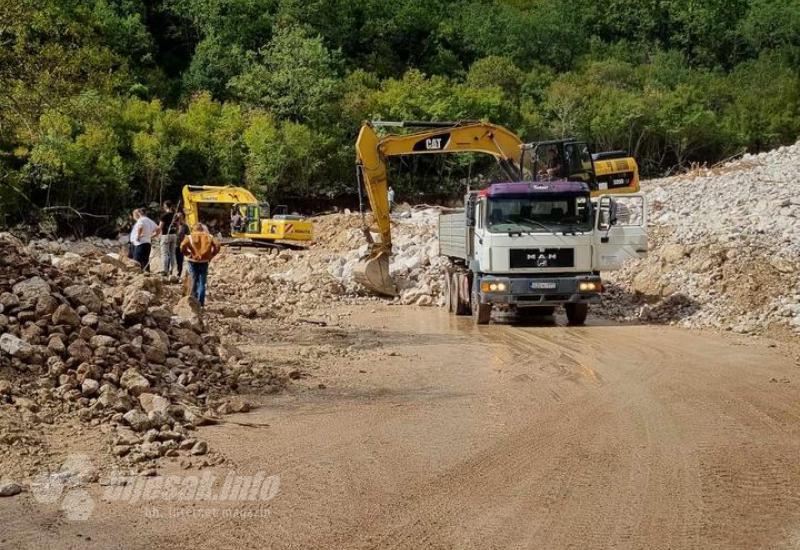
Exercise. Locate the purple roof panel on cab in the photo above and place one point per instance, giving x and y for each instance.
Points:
(535, 187)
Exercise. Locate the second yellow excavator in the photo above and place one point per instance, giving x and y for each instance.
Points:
(260, 225)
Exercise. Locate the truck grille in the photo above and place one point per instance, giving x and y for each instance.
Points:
(541, 257)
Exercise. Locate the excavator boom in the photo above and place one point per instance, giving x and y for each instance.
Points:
(438, 137)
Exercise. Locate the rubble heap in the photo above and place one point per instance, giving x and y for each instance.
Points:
(94, 340)
(724, 248)
(293, 282)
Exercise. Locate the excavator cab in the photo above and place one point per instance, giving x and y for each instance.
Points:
(251, 219)
(573, 160)
(565, 159)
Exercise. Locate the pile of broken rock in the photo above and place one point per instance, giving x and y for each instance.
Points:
(92, 340)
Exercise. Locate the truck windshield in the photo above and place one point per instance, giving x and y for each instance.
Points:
(539, 214)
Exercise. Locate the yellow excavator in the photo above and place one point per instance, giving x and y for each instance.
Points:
(519, 162)
(257, 226)
(371, 154)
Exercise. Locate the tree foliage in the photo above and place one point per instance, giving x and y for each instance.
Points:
(106, 104)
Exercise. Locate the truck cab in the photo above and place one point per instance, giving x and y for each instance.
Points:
(531, 246)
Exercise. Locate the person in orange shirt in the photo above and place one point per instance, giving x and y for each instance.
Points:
(199, 248)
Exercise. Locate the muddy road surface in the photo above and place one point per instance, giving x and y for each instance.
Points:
(432, 433)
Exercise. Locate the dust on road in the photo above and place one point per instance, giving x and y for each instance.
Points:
(438, 434)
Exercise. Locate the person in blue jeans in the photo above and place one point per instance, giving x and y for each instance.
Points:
(199, 248)
(199, 273)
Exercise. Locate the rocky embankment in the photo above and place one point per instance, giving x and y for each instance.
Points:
(725, 244)
(94, 347)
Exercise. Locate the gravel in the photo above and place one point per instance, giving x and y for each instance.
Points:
(724, 248)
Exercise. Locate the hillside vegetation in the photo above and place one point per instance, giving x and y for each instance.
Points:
(105, 104)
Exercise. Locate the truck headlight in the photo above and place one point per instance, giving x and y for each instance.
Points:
(493, 286)
(589, 286)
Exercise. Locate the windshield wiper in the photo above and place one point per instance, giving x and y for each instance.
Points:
(540, 224)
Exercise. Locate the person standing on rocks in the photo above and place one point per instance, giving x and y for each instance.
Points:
(141, 237)
(199, 248)
(168, 232)
(390, 198)
(181, 230)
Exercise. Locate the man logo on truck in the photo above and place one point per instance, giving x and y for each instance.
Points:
(542, 259)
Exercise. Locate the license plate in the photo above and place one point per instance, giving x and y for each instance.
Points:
(546, 285)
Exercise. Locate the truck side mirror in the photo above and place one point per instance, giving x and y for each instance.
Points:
(470, 209)
(614, 212)
(606, 213)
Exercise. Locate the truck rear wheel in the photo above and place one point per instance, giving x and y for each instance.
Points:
(461, 287)
(576, 313)
(449, 289)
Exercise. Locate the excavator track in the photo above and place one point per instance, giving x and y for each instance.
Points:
(238, 244)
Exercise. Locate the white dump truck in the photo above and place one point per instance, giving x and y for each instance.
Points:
(527, 248)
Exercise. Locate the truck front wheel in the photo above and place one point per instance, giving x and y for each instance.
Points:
(576, 313)
(481, 313)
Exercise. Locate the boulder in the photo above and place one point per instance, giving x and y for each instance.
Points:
(56, 344)
(101, 340)
(8, 489)
(199, 448)
(90, 320)
(156, 338)
(122, 263)
(135, 304)
(187, 336)
(82, 294)
(89, 387)
(134, 382)
(137, 420)
(65, 315)
(151, 402)
(31, 289)
(154, 355)
(80, 350)
(45, 305)
(673, 253)
(8, 300)
(15, 347)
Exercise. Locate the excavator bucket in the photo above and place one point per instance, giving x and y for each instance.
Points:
(373, 273)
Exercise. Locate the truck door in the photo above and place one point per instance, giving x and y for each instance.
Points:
(620, 231)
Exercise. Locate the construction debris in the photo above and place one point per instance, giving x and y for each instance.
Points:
(97, 341)
(724, 250)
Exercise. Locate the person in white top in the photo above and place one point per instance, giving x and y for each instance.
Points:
(390, 198)
(142, 233)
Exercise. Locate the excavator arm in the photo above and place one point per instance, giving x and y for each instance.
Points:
(372, 152)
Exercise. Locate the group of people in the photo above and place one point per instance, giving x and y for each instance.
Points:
(178, 242)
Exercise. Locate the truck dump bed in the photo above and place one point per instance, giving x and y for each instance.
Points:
(453, 236)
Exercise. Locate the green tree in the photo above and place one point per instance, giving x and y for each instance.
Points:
(294, 76)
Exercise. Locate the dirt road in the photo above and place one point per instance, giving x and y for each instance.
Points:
(443, 435)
